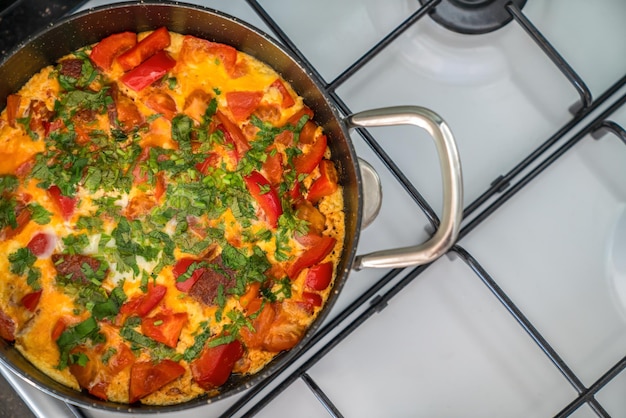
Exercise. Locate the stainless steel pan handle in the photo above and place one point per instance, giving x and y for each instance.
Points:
(450, 163)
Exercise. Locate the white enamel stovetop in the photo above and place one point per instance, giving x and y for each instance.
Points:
(445, 345)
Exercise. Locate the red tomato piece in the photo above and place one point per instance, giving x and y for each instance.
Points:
(298, 115)
(306, 162)
(95, 375)
(195, 50)
(143, 304)
(147, 377)
(147, 47)
(307, 133)
(7, 326)
(243, 103)
(25, 168)
(13, 106)
(319, 276)
(310, 300)
(266, 197)
(123, 358)
(324, 185)
(264, 316)
(88, 375)
(65, 204)
(31, 300)
(125, 116)
(164, 327)
(295, 194)
(215, 364)
(149, 71)
(42, 244)
(138, 175)
(212, 160)
(306, 211)
(59, 327)
(311, 256)
(181, 267)
(162, 103)
(161, 186)
(241, 143)
(22, 219)
(285, 331)
(251, 293)
(105, 51)
(288, 100)
(273, 166)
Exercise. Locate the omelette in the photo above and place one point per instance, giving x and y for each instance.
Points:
(170, 216)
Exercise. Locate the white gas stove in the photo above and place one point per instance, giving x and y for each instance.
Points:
(526, 315)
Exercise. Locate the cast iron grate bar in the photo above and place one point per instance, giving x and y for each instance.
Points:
(530, 329)
(589, 394)
(502, 182)
(593, 126)
(553, 54)
(613, 127)
(393, 35)
(321, 396)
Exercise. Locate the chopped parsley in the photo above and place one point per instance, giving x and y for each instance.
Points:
(158, 351)
(39, 214)
(87, 330)
(22, 264)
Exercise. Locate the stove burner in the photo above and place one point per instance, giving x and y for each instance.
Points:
(473, 16)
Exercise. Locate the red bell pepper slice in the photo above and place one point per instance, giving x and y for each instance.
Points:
(324, 185)
(266, 197)
(147, 377)
(164, 327)
(149, 71)
(144, 49)
(31, 300)
(105, 51)
(319, 248)
(287, 99)
(7, 326)
(65, 204)
(143, 304)
(215, 364)
(234, 132)
(306, 162)
(13, 105)
(319, 276)
(42, 244)
(242, 103)
(181, 267)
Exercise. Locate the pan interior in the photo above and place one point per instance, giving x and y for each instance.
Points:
(92, 25)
